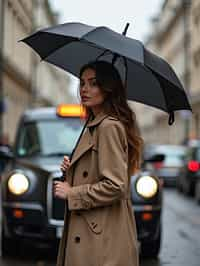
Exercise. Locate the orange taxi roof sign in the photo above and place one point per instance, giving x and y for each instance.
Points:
(70, 110)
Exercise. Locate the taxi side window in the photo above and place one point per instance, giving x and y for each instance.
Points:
(28, 141)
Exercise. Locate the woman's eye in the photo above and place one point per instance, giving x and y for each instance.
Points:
(81, 84)
(94, 83)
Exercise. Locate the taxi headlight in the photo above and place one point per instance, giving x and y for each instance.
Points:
(146, 186)
(18, 184)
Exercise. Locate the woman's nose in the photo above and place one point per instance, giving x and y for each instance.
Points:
(84, 88)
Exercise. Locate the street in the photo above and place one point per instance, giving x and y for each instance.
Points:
(181, 241)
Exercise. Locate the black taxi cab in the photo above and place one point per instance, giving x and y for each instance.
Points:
(30, 212)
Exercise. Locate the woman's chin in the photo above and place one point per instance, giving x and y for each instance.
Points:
(86, 104)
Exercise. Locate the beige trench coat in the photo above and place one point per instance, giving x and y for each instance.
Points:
(101, 230)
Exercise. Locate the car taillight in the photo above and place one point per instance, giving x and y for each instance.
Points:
(158, 165)
(193, 166)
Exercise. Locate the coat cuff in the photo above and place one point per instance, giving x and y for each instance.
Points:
(77, 198)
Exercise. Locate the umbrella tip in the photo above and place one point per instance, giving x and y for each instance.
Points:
(126, 28)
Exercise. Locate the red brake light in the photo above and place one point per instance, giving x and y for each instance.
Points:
(193, 166)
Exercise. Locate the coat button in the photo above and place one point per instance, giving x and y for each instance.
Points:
(77, 239)
(85, 174)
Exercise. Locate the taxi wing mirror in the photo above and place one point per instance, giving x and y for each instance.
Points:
(155, 158)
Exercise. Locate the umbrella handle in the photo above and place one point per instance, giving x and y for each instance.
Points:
(62, 178)
(79, 137)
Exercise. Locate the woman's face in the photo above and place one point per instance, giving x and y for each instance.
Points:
(91, 95)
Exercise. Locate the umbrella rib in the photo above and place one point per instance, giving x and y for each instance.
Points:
(45, 57)
(108, 50)
(166, 101)
(88, 43)
(126, 71)
(170, 112)
(52, 52)
(180, 89)
(102, 54)
(76, 40)
(96, 28)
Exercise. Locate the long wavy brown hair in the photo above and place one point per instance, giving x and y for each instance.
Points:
(115, 104)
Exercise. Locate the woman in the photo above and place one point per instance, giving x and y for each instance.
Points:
(100, 230)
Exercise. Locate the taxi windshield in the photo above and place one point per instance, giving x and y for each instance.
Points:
(48, 137)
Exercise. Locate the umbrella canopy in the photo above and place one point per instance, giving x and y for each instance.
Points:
(149, 79)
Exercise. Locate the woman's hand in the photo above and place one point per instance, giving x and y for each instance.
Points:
(65, 164)
(61, 189)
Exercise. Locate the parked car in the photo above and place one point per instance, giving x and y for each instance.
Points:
(31, 212)
(169, 169)
(188, 180)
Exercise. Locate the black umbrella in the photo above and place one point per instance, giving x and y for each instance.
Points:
(149, 79)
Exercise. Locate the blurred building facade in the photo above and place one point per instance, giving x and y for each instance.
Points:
(176, 37)
(25, 82)
(195, 65)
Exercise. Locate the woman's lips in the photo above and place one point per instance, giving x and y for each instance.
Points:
(85, 98)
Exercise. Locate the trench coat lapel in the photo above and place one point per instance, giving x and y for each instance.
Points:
(84, 145)
(87, 140)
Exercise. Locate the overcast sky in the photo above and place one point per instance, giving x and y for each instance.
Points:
(111, 13)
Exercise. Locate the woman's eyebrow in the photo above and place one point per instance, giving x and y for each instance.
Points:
(92, 78)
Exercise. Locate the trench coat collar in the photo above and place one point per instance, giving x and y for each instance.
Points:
(97, 120)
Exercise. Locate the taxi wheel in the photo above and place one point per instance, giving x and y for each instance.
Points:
(151, 250)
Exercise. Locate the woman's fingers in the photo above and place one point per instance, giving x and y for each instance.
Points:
(65, 164)
(64, 167)
(61, 189)
(57, 189)
(66, 159)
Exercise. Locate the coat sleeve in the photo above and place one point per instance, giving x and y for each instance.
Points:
(113, 179)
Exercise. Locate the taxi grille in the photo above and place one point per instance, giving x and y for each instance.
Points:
(58, 208)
